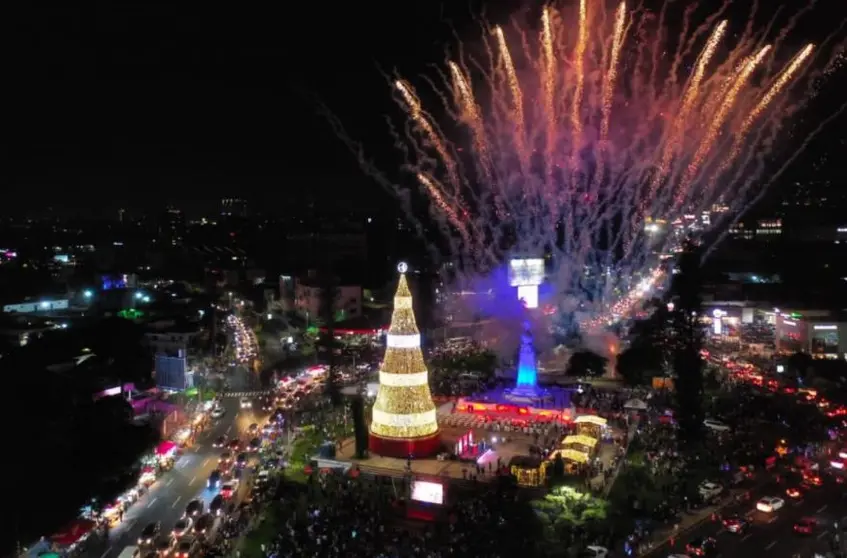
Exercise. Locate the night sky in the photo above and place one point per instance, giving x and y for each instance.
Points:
(149, 104)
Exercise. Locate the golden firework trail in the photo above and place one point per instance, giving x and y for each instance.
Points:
(579, 60)
(728, 103)
(692, 93)
(517, 95)
(612, 74)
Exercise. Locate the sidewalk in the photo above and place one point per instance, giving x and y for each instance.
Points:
(690, 521)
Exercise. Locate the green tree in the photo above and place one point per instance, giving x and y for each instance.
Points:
(326, 338)
(639, 363)
(688, 337)
(586, 363)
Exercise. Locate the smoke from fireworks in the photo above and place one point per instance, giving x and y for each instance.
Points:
(596, 143)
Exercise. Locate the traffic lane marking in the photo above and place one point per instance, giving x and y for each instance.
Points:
(151, 502)
(770, 545)
(178, 498)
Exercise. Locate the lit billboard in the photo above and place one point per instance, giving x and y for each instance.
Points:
(526, 272)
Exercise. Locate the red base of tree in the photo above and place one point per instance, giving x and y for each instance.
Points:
(404, 447)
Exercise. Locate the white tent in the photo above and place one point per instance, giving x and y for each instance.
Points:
(635, 405)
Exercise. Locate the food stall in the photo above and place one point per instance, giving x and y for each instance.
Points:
(72, 535)
(166, 453)
(590, 425)
(529, 471)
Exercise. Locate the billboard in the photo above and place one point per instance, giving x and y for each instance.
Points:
(526, 272)
(171, 373)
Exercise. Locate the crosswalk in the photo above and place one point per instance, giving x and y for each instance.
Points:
(245, 393)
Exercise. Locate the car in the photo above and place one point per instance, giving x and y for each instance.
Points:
(234, 445)
(194, 508)
(185, 547)
(278, 414)
(709, 490)
(182, 527)
(245, 403)
(705, 546)
(262, 477)
(203, 524)
(735, 524)
(268, 429)
(228, 490)
(715, 425)
(812, 479)
(164, 545)
(214, 480)
(594, 551)
(225, 458)
(216, 506)
(255, 444)
(805, 526)
(793, 492)
(149, 534)
(218, 412)
(219, 442)
(241, 460)
(769, 504)
(253, 429)
(272, 463)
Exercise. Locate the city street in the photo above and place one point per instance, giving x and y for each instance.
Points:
(772, 533)
(166, 500)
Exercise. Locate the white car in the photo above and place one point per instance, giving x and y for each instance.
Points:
(709, 490)
(715, 425)
(769, 504)
(218, 412)
(594, 551)
(245, 403)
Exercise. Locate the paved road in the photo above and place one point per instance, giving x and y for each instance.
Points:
(772, 535)
(167, 498)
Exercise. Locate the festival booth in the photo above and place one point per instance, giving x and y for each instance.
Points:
(72, 535)
(148, 475)
(529, 471)
(581, 443)
(590, 425)
(574, 459)
(467, 448)
(166, 453)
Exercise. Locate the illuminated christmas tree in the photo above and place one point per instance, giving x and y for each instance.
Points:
(404, 422)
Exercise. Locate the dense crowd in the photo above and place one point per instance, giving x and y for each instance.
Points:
(340, 516)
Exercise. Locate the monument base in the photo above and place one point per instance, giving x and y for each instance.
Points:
(403, 448)
(526, 394)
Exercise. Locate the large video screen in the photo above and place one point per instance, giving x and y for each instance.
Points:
(526, 272)
(429, 492)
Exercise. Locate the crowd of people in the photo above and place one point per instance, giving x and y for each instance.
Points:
(339, 516)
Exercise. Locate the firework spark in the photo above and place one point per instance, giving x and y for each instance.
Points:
(601, 147)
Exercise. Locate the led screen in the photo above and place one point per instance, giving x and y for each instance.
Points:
(526, 272)
(429, 492)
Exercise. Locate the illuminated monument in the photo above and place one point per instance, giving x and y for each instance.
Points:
(527, 365)
(526, 386)
(404, 418)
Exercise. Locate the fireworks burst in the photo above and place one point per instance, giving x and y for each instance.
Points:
(596, 143)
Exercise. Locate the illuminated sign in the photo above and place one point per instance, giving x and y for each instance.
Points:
(825, 328)
(526, 272)
(529, 295)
